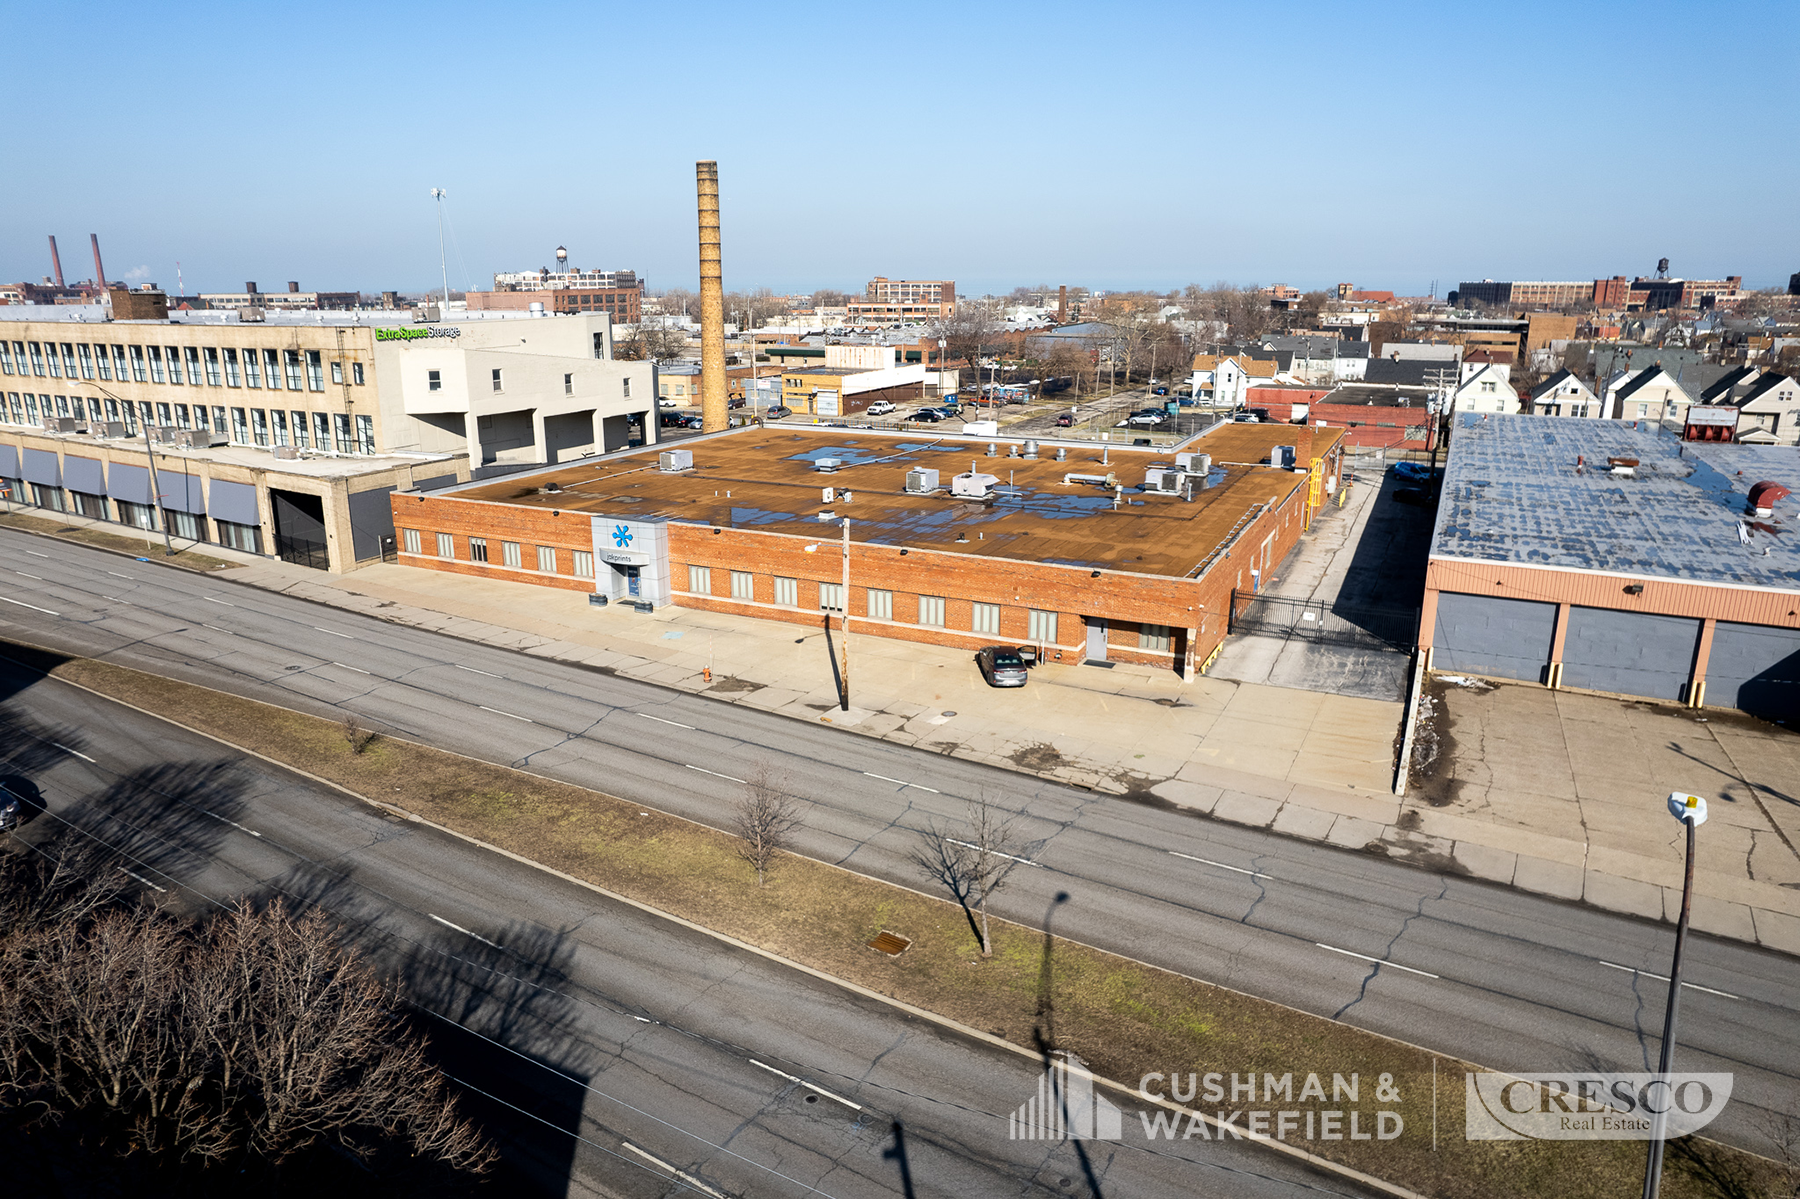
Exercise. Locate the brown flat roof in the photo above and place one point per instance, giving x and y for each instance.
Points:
(765, 479)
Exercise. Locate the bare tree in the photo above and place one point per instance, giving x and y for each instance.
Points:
(355, 734)
(971, 862)
(830, 297)
(765, 821)
(966, 333)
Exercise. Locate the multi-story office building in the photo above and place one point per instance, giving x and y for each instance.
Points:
(890, 302)
(354, 398)
(293, 298)
(618, 294)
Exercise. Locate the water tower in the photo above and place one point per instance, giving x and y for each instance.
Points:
(562, 258)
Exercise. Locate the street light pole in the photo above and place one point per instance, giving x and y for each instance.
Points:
(155, 487)
(1691, 811)
(844, 611)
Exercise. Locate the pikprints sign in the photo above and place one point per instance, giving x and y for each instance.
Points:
(1570, 1106)
(411, 334)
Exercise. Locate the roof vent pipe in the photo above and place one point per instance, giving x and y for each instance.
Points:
(993, 450)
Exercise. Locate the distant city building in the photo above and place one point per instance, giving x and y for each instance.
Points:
(571, 292)
(903, 301)
(291, 299)
(1652, 295)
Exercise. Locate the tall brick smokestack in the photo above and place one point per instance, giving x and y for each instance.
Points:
(713, 407)
(55, 261)
(99, 271)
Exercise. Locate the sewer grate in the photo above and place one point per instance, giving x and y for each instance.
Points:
(891, 944)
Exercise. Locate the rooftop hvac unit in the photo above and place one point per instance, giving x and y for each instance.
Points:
(675, 460)
(65, 424)
(1185, 462)
(973, 485)
(113, 428)
(827, 466)
(201, 439)
(1281, 455)
(920, 481)
(286, 452)
(166, 434)
(1163, 480)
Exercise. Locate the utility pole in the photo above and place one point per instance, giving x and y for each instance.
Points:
(1691, 811)
(844, 651)
(155, 486)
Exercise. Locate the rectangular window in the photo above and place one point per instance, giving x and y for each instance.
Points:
(321, 430)
(163, 416)
(175, 365)
(278, 423)
(68, 356)
(185, 524)
(138, 516)
(627, 385)
(700, 580)
(259, 426)
(156, 364)
(233, 377)
(509, 554)
(37, 360)
(584, 564)
(881, 604)
(5, 359)
(342, 424)
(91, 506)
(300, 434)
(410, 539)
(831, 597)
(240, 537)
(87, 361)
(252, 372)
(434, 381)
(55, 366)
(47, 497)
(743, 585)
(137, 364)
(337, 373)
(478, 549)
(315, 372)
(62, 409)
(1154, 637)
(568, 384)
(218, 419)
(31, 408)
(181, 416)
(497, 382)
(193, 366)
(200, 416)
(365, 435)
(103, 361)
(446, 546)
(212, 367)
(931, 610)
(787, 592)
(240, 426)
(546, 559)
(356, 375)
(1041, 627)
(291, 360)
(985, 618)
(599, 345)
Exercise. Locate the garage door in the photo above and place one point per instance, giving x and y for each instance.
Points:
(1755, 668)
(1480, 634)
(1629, 653)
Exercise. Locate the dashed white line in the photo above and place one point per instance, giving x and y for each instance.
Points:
(35, 554)
(234, 824)
(115, 599)
(821, 1090)
(1664, 978)
(902, 782)
(227, 603)
(39, 578)
(1378, 961)
(498, 712)
(459, 928)
(335, 633)
(215, 628)
(140, 878)
(472, 670)
(681, 1174)
(714, 773)
(115, 574)
(1222, 866)
(357, 669)
(660, 720)
(995, 852)
(33, 607)
(76, 752)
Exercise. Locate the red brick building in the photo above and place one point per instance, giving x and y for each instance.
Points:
(1106, 554)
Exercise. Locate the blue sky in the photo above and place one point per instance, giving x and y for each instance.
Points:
(1112, 146)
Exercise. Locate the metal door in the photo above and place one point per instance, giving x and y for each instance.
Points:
(1629, 653)
(632, 583)
(1096, 641)
(1483, 634)
(1756, 668)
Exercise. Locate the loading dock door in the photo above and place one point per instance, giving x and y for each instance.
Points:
(1629, 653)
(299, 528)
(1483, 634)
(1756, 668)
(1096, 639)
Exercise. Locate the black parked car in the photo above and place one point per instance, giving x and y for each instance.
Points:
(929, 415)
(1001, 666)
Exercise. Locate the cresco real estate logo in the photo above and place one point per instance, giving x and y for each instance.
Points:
(1583, 1107)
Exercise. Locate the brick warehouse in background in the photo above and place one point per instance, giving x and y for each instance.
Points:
(1089, 553)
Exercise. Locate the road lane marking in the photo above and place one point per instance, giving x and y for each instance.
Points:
(234, 824)
(209, 599)
(345, 636)
(472, 670)
(660, 720)
(821, 1090)
(358, 669)
(498, 712)
(39, 578)
(33, 607)
(35, 554)
(681, 1174)
(76, 752)
(1378, 961)
(1664, 978)
(115, 574)
(995, 852)
(215, 628)
(140, 878)
(715, 774)
(915, 786)
(1222, 866)
(465, 932)
(115, 599)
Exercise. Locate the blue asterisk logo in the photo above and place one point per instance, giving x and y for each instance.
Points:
(621, 536)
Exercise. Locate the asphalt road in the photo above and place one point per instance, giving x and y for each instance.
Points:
(603, 1047)
(1511, 980)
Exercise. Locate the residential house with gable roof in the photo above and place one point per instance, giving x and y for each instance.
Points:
(1225, 379)
(1768, 411)
(1650, 393)
(1564, 394)
(1487, 390)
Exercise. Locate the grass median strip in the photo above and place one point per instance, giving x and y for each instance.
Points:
(137, 547)
(1125, 1019)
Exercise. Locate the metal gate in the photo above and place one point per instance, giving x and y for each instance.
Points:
(1325, 622)
(1755, 668)
(1483, 634)
(1630, 653)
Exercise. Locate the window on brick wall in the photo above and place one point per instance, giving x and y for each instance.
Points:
(546, 559)
(584, 564)
(509, 554)
(881, 604)
(1041, 627)
(700, 580)
(787, 592)
(446, 547)
(985, 618)
(478, 549)
(831, 597)
(743, 585)
(931, 610)
(411, 539)
(1154, 637)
